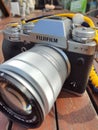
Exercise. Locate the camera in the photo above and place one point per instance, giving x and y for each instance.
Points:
(40, 60)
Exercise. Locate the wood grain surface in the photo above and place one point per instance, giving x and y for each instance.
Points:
(4, 123)
(76, 113)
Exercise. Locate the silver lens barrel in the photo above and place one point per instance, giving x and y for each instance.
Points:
(45, 68)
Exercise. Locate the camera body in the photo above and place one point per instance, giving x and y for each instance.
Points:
(79, 49)
(41, 59)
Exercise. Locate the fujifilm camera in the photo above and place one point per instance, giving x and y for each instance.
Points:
(41, 59)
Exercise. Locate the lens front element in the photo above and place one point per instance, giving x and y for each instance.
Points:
(14, 99)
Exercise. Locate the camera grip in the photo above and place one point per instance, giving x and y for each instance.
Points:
(80, 68)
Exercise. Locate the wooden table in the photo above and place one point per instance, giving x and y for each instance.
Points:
(70, 112)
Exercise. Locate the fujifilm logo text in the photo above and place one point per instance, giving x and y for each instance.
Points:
(47, 39)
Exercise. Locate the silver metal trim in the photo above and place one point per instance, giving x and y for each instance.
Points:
(86, 49)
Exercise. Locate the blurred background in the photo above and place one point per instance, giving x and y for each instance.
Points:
(25, 7)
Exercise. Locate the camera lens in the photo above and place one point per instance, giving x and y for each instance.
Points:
(31, 82)
(14, 99)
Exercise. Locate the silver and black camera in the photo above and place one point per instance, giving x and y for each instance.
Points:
(48, 56)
